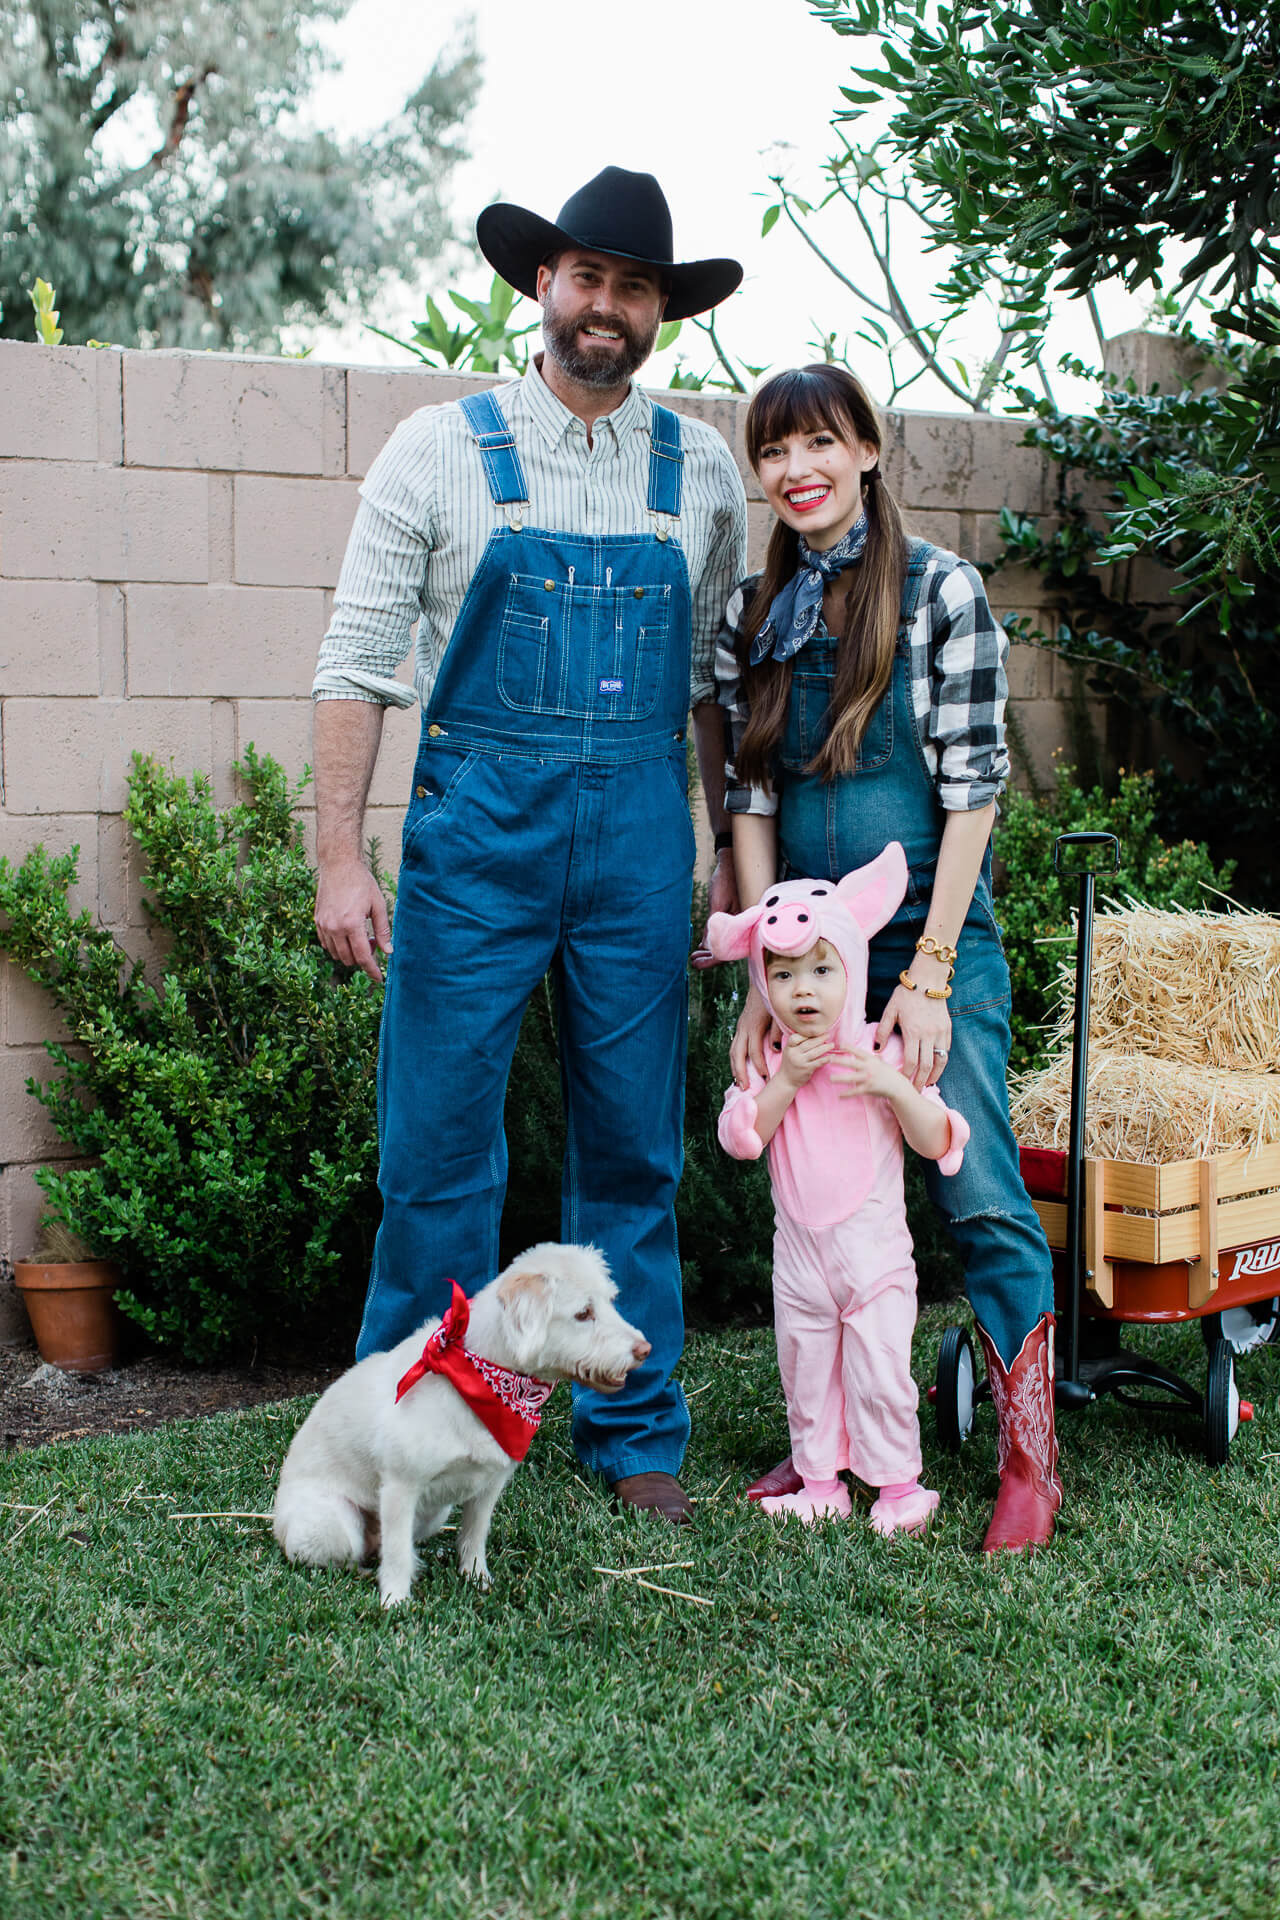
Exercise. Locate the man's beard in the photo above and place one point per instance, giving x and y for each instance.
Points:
(595, 366)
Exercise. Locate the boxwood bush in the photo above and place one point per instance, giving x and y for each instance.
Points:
(228, 1111)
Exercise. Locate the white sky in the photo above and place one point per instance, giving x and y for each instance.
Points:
(710, 95)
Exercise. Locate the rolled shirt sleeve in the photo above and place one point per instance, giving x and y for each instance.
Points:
(725, 562)
(738, 798)
(380, 587)
(968, 654)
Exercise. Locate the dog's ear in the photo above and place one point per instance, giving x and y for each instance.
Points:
(526, 1301)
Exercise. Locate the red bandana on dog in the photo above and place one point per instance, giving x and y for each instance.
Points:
(509, 1404)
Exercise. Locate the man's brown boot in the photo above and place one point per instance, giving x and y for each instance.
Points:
(655, 1493)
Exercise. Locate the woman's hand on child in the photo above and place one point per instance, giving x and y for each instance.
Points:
(925, 1026)
(748, 1040)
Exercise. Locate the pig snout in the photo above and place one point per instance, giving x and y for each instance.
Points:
(789, 927)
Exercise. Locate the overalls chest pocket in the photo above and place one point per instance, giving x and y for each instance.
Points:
(632, 650)
(807, 721)
(582, 651)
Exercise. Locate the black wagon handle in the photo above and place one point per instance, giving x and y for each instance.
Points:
(1081, 841)
(1069, 1385)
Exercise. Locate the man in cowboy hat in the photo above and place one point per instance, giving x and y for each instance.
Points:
(566, 548)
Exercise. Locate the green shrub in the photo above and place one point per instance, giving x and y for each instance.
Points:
(1035, 908)
(230, 1111)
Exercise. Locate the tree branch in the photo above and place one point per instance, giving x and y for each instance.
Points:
(900, 312)
(182, 102)
(1190, 300)
(709, 327)
(830, 264)
(995, 367)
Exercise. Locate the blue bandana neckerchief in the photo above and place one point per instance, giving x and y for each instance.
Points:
(793, 618)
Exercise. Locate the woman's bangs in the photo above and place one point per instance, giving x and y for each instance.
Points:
(794, 403)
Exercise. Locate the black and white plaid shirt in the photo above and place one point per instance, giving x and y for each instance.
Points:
(959, 687)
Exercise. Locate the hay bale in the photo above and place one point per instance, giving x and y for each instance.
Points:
(1201, 988)
(1141, 1109)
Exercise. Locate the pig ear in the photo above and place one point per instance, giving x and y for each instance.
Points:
(874, 893)
(729, 934)
(526, 1300)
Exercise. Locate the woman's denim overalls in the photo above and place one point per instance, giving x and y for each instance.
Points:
(826, 828)
(549, 828)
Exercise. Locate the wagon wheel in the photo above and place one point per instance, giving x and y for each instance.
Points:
(1221, 1404)
(953, 1395)
(1243, 1328)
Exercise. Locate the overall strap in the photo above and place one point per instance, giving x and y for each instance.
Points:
(666, 460)
(494, 438)
(919, 553)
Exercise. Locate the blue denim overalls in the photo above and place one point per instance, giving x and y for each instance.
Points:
(549, 828)
(826, 828)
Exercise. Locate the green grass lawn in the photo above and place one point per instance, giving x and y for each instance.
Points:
(850, 1727)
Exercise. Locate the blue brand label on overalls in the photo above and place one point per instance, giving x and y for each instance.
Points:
(611, 686)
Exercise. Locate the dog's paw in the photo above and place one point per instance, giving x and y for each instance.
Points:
(393, 1595)
(478, 1577)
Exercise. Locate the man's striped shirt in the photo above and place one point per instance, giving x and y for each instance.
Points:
(426, 514)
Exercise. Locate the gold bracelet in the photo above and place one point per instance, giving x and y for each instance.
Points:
(937, 993)
(907, 981)
(938, 949)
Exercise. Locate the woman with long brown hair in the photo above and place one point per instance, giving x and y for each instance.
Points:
(863, 676)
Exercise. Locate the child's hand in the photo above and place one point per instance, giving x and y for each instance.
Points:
(856, 1071)
(801, 1058)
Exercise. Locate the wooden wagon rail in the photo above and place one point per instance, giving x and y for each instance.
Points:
(1185, 1210)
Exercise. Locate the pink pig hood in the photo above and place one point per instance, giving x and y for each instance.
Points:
(796, 913)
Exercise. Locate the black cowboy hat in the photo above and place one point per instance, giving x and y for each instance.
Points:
(617, 212)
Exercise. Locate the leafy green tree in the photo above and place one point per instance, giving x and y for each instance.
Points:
(157, 168)
(1079, 142)
(1078, 138)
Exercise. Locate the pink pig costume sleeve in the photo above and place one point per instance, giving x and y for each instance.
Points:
(844, 1277)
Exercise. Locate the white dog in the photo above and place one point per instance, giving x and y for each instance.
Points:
(379, 1462)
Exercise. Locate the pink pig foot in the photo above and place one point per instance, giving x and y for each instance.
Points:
(904, 1512)
(810, 1506)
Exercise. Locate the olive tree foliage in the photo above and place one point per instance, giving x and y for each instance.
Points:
(1075, 139)
(882, 223)
(1078, 143)
(157, 167)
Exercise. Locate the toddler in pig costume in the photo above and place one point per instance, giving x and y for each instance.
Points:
(833, 1114)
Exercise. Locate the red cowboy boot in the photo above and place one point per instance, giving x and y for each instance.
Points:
(781, 1479)
(1027, 1451)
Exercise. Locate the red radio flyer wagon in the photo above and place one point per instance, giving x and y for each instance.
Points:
(1139, 1245)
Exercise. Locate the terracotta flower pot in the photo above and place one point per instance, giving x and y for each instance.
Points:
(72, 1310)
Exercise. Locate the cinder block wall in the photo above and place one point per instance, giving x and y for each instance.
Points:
(171, 529)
